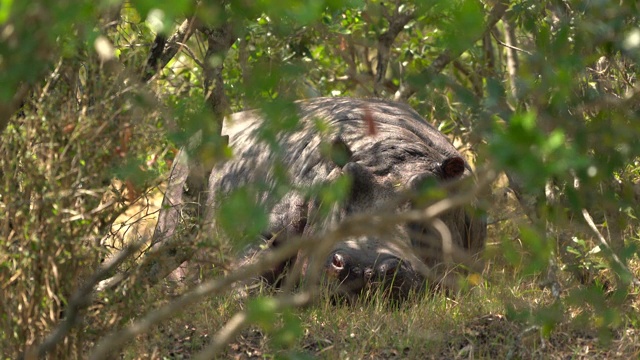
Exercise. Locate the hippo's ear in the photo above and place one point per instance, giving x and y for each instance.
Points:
(356, 171)
(337, 151)
(361, 179)
(452, 168)
(418, 181)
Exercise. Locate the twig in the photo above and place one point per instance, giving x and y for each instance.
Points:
(163, 49)
(241, 319)
(447, 242)
(81, 299)
(115, 341)
(476, 82)
(397, 21)
(192, 55)
(512, 47)
(353, 75)
(98, 209)
(608, 101)
(52, 79)
(605, 244)
(8, 108)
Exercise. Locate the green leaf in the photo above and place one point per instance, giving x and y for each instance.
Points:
(467, 21)
(241, 215)
(169, 9)
(539, 247)
(5, 10)
(290, 331)
(262, 311)
(333, 193)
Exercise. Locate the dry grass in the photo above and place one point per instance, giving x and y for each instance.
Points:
(473, 325)
(136, 222)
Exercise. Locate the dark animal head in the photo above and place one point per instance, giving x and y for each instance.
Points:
(380, 169)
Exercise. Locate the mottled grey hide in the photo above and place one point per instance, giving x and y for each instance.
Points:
(387, 148)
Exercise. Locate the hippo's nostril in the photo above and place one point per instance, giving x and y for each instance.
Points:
(388, 268)
(337, 262)
(336, 266)
(368, 274)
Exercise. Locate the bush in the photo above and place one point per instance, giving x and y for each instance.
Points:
(98, 97)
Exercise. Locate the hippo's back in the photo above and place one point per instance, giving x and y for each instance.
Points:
(360, 123)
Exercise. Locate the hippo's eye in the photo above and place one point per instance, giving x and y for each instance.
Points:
(338, 261)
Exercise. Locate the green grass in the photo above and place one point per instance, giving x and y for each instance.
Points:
(507, 315)
(480, 324)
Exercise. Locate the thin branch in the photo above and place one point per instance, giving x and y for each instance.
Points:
(80, 300)
(512, 58)
(605, 244)
(241, 320)
(7, 109)
(612, 102)
(511, 46)
(163, 49)
(192, 55)
(386, 39)
(353, 75)
(214, 287)
(473, 77)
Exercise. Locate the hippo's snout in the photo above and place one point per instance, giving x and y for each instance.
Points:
(388, 274)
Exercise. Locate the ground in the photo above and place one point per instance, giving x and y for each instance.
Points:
(503, 317)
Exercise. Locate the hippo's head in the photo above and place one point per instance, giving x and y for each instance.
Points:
(381, 172)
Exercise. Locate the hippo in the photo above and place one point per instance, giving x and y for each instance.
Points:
(383, 148)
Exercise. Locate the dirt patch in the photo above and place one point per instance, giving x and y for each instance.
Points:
(137, 222)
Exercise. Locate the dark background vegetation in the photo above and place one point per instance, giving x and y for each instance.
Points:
(96, 98)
